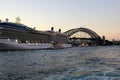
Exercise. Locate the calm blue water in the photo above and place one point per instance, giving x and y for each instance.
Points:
(77, 63)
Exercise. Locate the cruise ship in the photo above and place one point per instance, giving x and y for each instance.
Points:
(17, 36)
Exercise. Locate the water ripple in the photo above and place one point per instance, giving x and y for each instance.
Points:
(77, 63)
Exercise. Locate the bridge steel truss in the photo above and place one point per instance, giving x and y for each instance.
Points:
(94, 35)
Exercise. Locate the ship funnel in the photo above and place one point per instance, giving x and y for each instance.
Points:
(52, 28)
(7, 20)
(59, 30)
(34, 28)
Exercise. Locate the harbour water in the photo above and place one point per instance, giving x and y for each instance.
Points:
(77, 63)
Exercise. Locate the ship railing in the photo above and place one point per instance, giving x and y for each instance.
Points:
(8, 40)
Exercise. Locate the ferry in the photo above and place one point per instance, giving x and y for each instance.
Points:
(17, 36)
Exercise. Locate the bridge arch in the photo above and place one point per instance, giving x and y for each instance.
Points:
(93, 34)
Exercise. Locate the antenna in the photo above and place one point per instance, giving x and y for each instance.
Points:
(18, 20)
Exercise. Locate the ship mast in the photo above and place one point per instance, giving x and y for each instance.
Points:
(18, 20)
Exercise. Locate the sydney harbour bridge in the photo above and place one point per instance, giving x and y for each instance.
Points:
(83, 37)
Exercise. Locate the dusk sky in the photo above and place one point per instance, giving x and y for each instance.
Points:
(101, 16)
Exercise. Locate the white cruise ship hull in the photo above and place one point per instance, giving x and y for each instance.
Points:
(7, 44)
